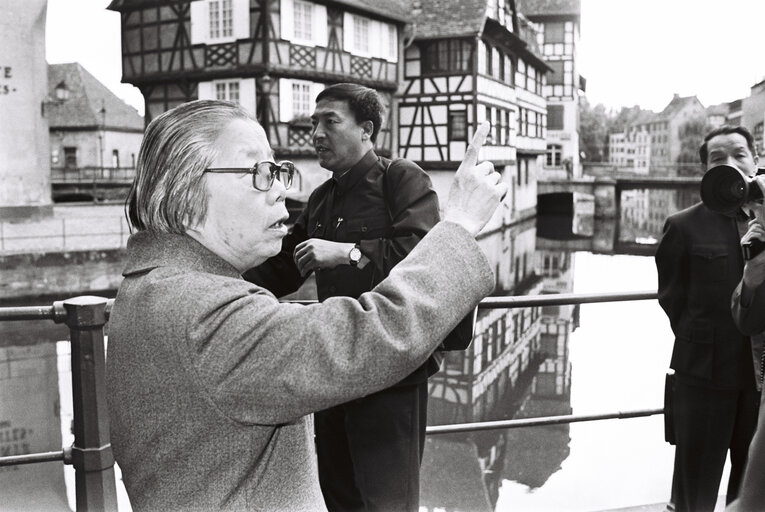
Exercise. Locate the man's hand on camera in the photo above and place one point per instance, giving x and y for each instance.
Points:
(754, 270)
(476, 190)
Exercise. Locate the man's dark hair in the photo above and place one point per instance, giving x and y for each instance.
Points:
(364, 102)
(727, 129)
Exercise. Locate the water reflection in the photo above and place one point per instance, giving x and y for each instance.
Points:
(519, 366)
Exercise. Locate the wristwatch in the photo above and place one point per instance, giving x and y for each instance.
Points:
(354, 256)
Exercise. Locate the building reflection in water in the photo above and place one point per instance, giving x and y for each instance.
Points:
(518, 364)
(643, 212)
(30, 422)
(516, 367)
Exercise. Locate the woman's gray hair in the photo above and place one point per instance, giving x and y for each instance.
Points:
(168, 194)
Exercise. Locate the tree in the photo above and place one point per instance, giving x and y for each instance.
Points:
(691, 135)
(593, 131)
(596, 123)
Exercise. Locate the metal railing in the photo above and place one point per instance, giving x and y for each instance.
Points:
(80, 175)
(91, 454)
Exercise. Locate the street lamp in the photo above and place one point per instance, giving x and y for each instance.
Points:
(101, 135)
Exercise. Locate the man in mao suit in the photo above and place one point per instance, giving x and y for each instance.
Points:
(699, 262)
(357, 226)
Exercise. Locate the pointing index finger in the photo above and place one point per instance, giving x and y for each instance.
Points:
(479, 137)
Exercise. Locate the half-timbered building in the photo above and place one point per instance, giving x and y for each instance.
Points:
(557, 23)
(469, 61)
(271, 56)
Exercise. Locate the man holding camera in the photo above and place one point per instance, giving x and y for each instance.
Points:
(714, 396)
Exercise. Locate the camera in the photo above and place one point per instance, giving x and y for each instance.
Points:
(726, 189)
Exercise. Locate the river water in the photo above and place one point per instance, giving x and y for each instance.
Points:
(523, 363)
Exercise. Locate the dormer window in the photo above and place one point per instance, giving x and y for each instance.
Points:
(62, 92)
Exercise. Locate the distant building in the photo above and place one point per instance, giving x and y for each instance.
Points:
(558, 24)
(472, 61)
(651, 144)
(630, 149)
(735, 113)
(753, 114)
(717, 115)
(90, 127)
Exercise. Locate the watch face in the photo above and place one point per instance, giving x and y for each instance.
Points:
(355, 255)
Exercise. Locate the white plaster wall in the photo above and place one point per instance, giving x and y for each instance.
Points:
(24, 155)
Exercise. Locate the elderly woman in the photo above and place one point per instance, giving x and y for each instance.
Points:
(211, 380)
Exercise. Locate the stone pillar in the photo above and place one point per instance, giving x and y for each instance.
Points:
(604, 236)
(604, 190)
(24, 139)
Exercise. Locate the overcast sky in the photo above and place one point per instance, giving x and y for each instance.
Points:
(632, 52)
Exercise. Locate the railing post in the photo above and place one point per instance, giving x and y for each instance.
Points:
(92, 450)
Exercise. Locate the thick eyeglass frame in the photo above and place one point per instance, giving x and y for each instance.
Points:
(275, 171)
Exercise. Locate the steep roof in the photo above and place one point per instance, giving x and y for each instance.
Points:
(539, 8)
(718, 110)
(678, 103)
(390, 9)
(87, 96)
(447, 18)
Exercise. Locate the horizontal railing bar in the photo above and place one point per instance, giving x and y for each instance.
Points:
(537, 422)
(559, 299)
(553, 299)
(40, 312)
(520, 301)
(33, 458)
(27, 313)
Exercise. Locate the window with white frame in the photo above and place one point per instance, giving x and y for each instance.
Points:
(227, 90)
(297, 98)
(241, 91)
(370, 38)
(301, 98)
(219, 21)
(554, 153)
(221, 18)
(303, 17)
(304, 22)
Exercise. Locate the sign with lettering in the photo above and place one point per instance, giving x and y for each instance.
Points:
(14, 440)
(7, 85)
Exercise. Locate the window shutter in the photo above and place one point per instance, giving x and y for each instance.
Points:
(348, 32)
(247, 94)
(320, 24)
(288, 22)
(205, 90)
(316, 88)
(375, 38)
(285, 100)
(392, 31)
(241, 14)
(199, 22)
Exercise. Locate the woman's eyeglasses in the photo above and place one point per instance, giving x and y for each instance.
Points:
(263, 173)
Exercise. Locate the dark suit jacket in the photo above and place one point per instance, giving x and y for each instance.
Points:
(386, 209)
(699, 263)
